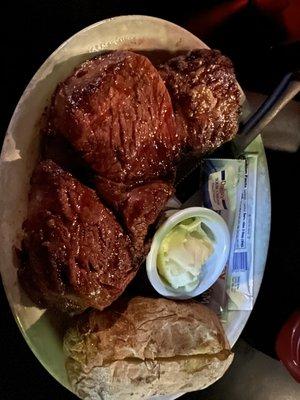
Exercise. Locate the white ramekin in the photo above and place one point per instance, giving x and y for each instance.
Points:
(213, 267)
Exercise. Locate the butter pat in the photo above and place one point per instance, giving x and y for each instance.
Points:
(182, 254)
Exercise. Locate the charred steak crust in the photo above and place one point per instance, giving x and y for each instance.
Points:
(117, 113)
(206, 98)
(111, 124)
(77, 255)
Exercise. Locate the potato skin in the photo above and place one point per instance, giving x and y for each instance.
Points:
(145, 347)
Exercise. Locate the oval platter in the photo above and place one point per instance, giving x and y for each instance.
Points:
(42, 329)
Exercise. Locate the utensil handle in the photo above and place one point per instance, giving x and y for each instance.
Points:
(284, 92)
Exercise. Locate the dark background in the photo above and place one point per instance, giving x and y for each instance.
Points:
(262, 44)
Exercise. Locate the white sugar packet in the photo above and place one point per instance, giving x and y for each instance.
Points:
(229, 188)
(241, 260)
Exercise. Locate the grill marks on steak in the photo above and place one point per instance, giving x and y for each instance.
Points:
(116, 112)
(77, 255)
(140, 211)
(206, 98)
(111, 124)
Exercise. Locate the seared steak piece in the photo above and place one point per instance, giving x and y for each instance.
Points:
(117, 114)
(75, 254)
(140, 210)
(205, 97)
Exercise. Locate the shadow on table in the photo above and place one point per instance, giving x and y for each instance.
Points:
(252, 376)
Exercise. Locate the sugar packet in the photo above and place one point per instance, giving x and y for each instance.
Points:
(241, 260)
(229, 188)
